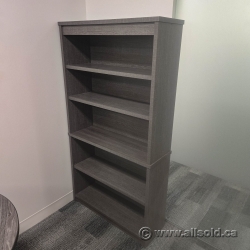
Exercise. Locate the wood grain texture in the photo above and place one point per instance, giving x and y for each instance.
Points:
(76, 49)
(80, 152)
(156, 193)
(9, 224)
(133, 168)
(113, 70)
(77, 82)
(112, 138)
(125, 51)
(78, 117)
(64, 47)
(122, 87)
(115, 177)
(125, 20)
(127, 107)
(112, 207)
(131, 149)
(128, 126)
(163, 88)
(122, 29)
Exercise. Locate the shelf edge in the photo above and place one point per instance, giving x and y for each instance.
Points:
(106, 107)
(143, 164)
(110, 72)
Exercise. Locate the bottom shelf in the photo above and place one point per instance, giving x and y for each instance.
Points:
(122, 213)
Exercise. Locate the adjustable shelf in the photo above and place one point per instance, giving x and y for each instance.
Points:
(139, 73)
(115, 143)
(120, 84)
(123, 106)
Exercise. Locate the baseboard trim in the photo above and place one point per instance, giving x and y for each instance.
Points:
(45, 212)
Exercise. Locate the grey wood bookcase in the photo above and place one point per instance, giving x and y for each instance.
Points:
(120, 81)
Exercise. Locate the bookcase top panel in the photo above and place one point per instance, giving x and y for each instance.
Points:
(125, 20)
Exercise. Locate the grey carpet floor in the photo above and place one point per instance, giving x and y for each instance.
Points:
(195, 200)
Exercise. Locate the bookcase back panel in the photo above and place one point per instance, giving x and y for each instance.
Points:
(122, 124)
(124, 200)
(126, 51)
(122, 87)
(131, 51)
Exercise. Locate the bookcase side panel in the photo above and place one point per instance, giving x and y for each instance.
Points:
(156, 193)
(80, 151)
(75, 49)
(163, 88)
(76, 116)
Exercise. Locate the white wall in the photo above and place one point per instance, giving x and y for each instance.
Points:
(110, 9)
(212, 115)
(34, 150)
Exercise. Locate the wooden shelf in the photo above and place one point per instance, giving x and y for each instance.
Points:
(112, 207)
(123, 106)
(123, 146)
(114, 177)
(131, 72)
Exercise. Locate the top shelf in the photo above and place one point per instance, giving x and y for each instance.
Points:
(125, 20)
(137, 73)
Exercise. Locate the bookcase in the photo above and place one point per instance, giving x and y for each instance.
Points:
(120, 84)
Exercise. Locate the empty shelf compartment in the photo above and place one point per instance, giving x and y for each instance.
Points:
(123, 146)
(115, 177)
